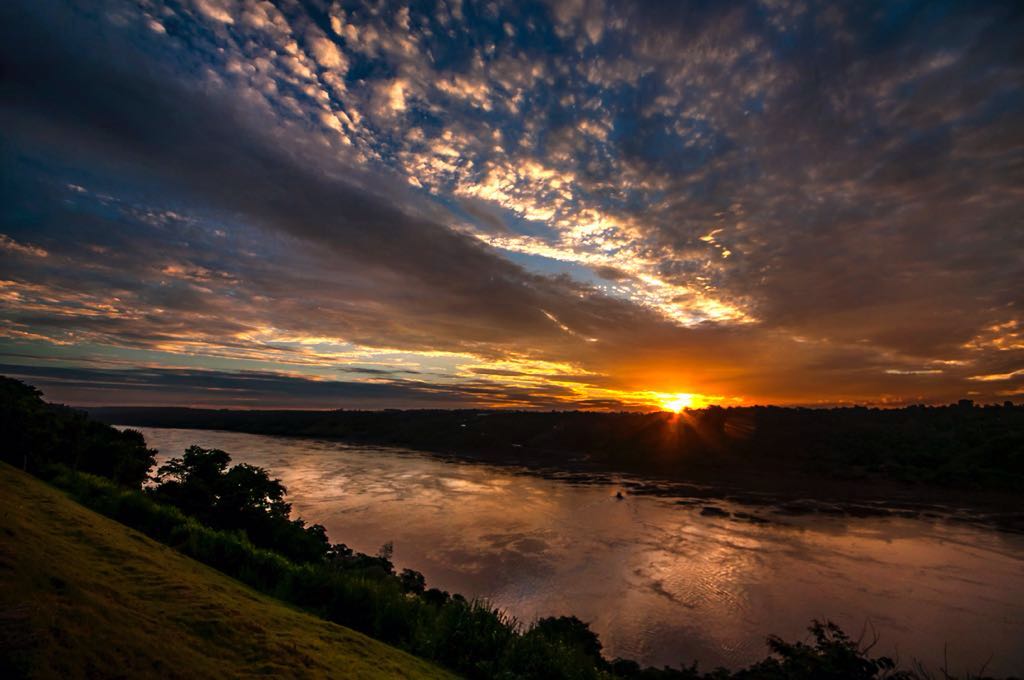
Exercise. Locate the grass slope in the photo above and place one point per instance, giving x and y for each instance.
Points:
(84, 596)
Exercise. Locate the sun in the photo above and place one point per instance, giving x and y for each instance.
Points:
(678, 402)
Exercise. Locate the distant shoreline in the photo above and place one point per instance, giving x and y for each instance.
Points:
(610, 448)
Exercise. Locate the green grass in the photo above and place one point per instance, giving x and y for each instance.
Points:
(84, 596)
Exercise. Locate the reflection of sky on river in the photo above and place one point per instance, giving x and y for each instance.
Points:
(659, 582)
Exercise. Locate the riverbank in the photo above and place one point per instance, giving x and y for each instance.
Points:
(658, 557)
(856, 462)
(660, 582)
(774, 493)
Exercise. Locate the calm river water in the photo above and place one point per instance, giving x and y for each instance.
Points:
(659, 582)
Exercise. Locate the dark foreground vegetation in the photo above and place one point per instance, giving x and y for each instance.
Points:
(236, 520)
(83, 596)
(963, 446)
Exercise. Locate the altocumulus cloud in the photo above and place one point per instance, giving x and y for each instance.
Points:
(588, 202)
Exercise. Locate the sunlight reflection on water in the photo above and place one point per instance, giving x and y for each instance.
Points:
(659, 582)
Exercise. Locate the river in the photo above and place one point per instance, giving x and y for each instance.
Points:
(657, 580)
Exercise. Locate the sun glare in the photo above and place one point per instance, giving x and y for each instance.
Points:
(678, 402)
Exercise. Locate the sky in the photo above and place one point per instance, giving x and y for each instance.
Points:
(546, 205)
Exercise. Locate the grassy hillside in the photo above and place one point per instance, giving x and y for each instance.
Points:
(84, 596)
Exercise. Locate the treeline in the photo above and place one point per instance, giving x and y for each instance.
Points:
(961, 446)
(35, 435)
(236, 519)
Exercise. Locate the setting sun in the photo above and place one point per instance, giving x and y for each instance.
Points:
(678, 402)
(666, 329)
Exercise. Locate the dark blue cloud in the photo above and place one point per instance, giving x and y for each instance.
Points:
(612, 185)
(168, 386)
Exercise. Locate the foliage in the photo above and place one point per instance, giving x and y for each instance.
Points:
(961, 445)
(570, 632)
(833, 656)
(35, 434)
(469, 637)
(352, 589)
(83, 596)
(242, 497)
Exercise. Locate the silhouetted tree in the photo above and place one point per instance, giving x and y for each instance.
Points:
(35, 435)
(412, 581)
(572, 632)
(833, 656)
(243, 497)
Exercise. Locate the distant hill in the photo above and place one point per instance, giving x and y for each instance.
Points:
(84, 596)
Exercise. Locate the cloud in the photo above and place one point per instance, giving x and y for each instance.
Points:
(10, 245)
(786, 202)
(172, 386)
(328, 55)
(213, 153)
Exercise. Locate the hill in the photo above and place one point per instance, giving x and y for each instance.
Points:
(84, 596)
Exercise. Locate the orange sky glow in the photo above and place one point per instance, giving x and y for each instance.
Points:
(601, 206)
